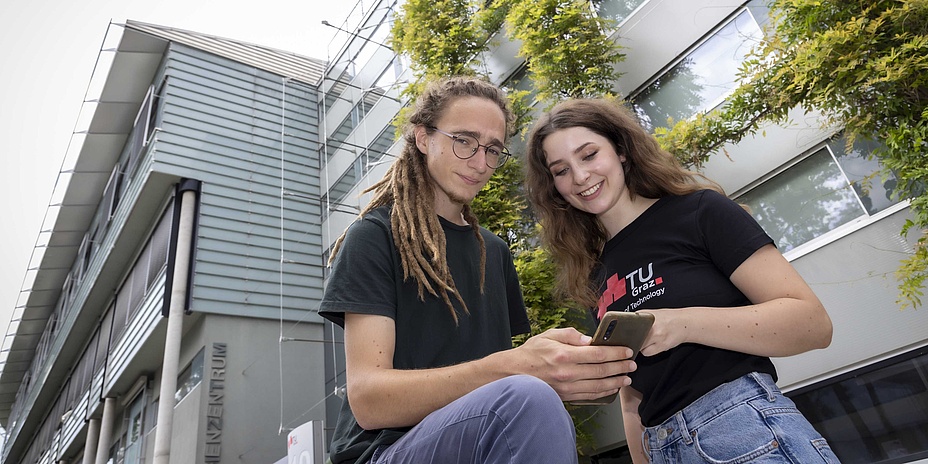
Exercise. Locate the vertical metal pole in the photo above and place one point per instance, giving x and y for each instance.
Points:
(175, 327)
(106, 430)
(90, 443)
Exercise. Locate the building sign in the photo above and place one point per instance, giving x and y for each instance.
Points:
(217, 393)
(304, 444)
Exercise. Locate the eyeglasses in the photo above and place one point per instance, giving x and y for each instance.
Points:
(465, 147)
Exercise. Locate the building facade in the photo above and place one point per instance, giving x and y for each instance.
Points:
(182, 254)
(827, 207)
(185, 246)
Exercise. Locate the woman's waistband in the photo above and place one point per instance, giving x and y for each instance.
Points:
(719, 399)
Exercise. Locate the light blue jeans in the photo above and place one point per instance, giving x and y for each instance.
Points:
(518, 419)
(745, 420)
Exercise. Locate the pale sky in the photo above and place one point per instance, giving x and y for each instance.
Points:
(48, 49)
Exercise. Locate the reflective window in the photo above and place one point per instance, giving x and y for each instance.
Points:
(370, 45)
(190, 377)
(803, 202)
(338, 138)
(703, 78)
(864, 171)
(134, 427)
(375, 152)
(877, 414)
(831, 187)
(384, 88)
(616, 10)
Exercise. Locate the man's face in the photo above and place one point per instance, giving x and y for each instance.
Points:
(457, 181)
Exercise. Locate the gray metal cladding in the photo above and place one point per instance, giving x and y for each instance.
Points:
(252, 138)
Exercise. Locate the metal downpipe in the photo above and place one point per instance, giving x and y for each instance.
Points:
(172, 342)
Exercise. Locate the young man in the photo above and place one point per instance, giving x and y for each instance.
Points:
(429, 301)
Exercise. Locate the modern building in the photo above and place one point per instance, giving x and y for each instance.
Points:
(828, 209)
(190, 190)
(212, 178)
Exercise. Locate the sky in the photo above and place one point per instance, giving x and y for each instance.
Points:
(48, 49)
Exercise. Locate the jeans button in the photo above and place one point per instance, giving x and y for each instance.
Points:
(661, 434)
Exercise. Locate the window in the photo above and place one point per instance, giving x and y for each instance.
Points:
(876, 414)
(704, 77)
(372, 155)
(825, 190)
(616, 10)
(863, 170)
(132, 437)
(190, 377)
(344, 129)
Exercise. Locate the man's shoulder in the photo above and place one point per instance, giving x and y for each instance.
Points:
(379, 215)
(492, 239)
(375, 219)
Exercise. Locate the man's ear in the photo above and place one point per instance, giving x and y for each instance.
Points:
(422, 139)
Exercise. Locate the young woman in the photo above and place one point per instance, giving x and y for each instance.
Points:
(631, 230)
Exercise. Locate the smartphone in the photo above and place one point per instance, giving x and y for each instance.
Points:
(618, 328)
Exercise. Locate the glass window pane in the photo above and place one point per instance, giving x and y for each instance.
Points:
(189, 378)
(877, 416)
(341, 134)
(702, 80)
(616, 10)
(864, 172)
(803, 202)
(344, 184)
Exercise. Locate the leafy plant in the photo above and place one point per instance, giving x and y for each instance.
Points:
(864, 65)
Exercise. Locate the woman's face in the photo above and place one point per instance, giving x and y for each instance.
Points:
(586, 170)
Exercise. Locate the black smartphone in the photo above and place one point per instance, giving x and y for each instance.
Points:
(618, 328)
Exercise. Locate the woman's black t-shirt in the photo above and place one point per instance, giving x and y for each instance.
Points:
(679, 253)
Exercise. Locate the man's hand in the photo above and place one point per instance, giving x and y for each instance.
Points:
(576, 370)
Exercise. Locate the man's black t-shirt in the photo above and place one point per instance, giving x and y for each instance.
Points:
(367, 278)
(679, 253)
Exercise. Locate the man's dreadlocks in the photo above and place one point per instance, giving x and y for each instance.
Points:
(408, 186)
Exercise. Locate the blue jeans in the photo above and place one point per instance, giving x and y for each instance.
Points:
(518, 419)
(745, 420)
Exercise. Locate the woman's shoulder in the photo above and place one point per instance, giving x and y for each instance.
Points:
(704, 198)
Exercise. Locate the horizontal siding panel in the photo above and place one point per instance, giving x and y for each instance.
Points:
(294, 221)
(229, 172)
(245, 118)
(249, 137)
(241, 77)
(218, 162)
(249, 274)
(258, 292)
(261, 96)
(303, 312)
(257, 248)
(208, 124)
(300, 192)
(264, 114)
(211, 261)
(222, 194)
(266, 247)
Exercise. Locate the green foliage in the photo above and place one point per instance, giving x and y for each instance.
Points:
(500, 204)
(566, 48)
(441, 37)
(864, 65)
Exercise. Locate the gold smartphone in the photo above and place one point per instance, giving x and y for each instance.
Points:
(618, 328)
